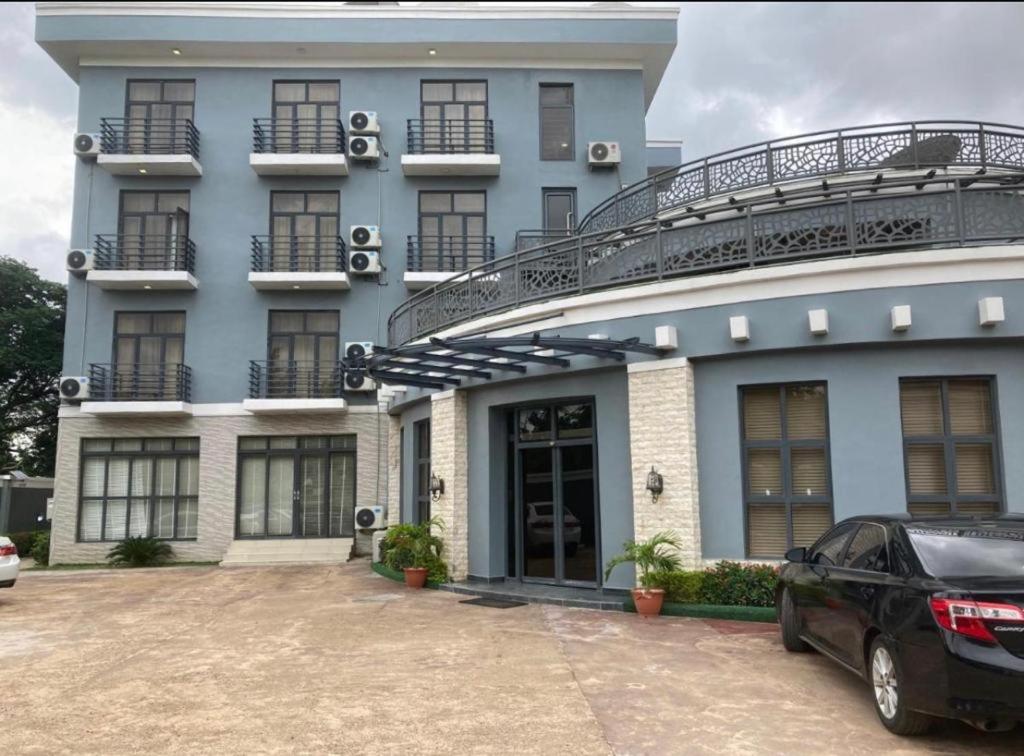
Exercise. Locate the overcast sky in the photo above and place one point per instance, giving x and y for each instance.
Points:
(741, 73)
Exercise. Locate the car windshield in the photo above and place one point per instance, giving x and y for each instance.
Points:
(544, 510)
(969, 552)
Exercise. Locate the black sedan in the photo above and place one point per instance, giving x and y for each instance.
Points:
(929, 611)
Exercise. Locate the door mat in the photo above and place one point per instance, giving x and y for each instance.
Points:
(493, 603)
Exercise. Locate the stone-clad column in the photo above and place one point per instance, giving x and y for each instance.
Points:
(449, 460)
(394, 469)
(662, 433)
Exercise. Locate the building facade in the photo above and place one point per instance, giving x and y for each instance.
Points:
(742, 349)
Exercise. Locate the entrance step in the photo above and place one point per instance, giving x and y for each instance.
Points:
(534, 593)
(288, 551)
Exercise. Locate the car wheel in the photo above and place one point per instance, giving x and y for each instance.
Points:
(789, 623)
(886, 682)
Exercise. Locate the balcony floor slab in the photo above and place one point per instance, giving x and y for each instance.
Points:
(139, 280)
(137, 409)
(149, 165)
(416, 280)
(306, 281)
(298, 164)
(293, 406)
(473, 164)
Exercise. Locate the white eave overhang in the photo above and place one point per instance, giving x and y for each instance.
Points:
(298, 164)
(302, 281)
(142, 280)
(137, 409)
(416, 280)
(293, 406)
(473, 164)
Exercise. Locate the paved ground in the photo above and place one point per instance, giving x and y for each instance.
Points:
(339, 660)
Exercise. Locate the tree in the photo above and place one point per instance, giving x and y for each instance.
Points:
(31, 352)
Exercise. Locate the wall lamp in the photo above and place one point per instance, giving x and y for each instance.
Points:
(436, 486)
(655, 483)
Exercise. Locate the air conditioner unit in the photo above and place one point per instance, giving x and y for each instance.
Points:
(74, 387)
(363, 122)
(364, 148)
(87, 146)
(364, 262)
(79, 261)
(369, 518)
(358, 350)
(364, 237)
(603, 154)
(358, 380)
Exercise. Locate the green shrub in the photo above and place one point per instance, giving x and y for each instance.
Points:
(41, 547)
(659, 553)
(680, 586)
(414, 545)
(734, 584)
(140, 551)
(23, 541)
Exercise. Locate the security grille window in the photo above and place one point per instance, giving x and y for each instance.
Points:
(304, 231)
(421, 453)
(296, 486)
(139, 487)
(157, 114)
(452, 230)
(149, 352)
(786, 466)
(950, 446)
(152, 230)
(302, 353)
(454, 115)
(557, 129)
(306, 116)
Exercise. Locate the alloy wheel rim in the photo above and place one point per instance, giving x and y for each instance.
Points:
(883, 677)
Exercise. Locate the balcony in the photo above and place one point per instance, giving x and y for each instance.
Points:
(462, 147)
(119, 389)
(143, 262)
(435, 258)
(298, 147)
(289, 386)
(149, 147)
(538, 237)
(317, 263)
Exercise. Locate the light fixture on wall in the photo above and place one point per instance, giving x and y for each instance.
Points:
(436, 486)
(655, 483)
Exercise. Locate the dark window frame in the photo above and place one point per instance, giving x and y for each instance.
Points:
(123, 214)
(293, 214)
(948, 440)
(136, 337)
(420, 214)
(571, 107)
(785, 447)
(421, 459)
(151, 498)
(547, 191)
(129, 102)
(455, 101)
(275, 103)
(318, 335)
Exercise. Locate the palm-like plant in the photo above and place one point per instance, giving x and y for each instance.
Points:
(415, 545)
(657, 554)
(140, 551)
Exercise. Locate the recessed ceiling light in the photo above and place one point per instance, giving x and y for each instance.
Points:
(175, 51)
(142, 170)
(431, 51)
(147, 287)
(296, 286)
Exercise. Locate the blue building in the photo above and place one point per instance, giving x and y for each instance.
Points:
(338, 257)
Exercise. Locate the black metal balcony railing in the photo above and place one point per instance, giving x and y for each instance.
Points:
(920, 144)
(298, 254)
(119, 382)
(448, 254)
(871, 216)
(291, 135)
(450, 136)
(144, 252)
(290, 379)
(534, 237)
(149, 136)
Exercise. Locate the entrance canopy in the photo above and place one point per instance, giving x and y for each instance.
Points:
(440, 363)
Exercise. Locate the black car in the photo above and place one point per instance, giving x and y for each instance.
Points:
(929, 611)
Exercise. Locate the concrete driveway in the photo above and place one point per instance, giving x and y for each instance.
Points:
(339, 660)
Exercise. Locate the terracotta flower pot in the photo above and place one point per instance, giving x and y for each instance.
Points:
(416, 577)
(648, 601)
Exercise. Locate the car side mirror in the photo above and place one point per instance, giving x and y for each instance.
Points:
(798, 554)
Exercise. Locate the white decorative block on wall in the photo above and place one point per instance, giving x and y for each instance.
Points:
(990, 311)
(739, 328)
(666, 337)
(900, 317)
(818, 321)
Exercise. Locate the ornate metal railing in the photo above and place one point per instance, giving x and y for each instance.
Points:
(920, 144)
(450, 136)
(298, 254)
(291, 135)
(448, 254)
(136, 382)
(149, 136)
(535, 237)
(290, 379)
(145, 252)
(871, 216)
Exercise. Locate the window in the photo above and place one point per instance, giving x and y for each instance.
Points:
(786, 469)
(557, 130)
(950, 447)
(867, 550)
(302, 353)
(421, 454)
(306, 116)
(152, 230)
(139, 487)
(453, 230)
(828, 550)
(296, 486)
(157, 112)
(304, 230)
(453, 115)
(148, 354)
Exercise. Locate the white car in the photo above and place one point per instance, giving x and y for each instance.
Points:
(9, 563)
(540, 528)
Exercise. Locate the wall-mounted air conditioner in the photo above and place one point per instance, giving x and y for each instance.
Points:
(603, 154)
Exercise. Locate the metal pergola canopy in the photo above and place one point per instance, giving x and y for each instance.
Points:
(443, 363)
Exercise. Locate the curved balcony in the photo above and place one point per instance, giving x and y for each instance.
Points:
(875, 215)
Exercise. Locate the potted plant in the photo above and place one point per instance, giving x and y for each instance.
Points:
(416, 551)
(656, 554)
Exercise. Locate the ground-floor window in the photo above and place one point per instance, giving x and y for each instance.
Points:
(786, 468)
(421, 453)
(296, 486)
(139, 487)
(950, 446)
